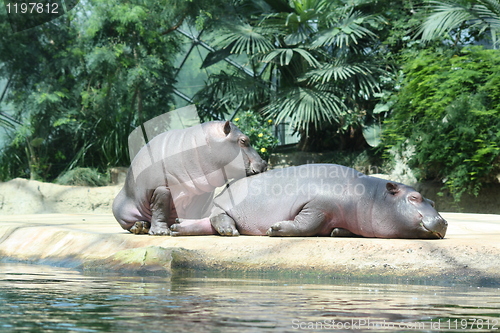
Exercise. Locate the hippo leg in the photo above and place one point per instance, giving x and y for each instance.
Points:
(140, 227)
(340, 232)
(160, 210)
(306, 223)
(185, 227)
(224, 225)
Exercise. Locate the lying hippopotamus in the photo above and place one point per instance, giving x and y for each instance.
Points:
(318, 200)
(175, 174)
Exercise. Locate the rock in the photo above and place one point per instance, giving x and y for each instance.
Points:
(151, 260)
(22, 196)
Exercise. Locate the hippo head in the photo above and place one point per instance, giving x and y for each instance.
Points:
(232, 148)
(403, 212)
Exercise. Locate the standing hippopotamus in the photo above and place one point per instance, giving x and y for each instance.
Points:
(318, 200)
(175, 174)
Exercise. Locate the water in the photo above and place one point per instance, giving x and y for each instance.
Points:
(47, 299)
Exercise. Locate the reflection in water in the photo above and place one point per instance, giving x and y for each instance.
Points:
(39, 298)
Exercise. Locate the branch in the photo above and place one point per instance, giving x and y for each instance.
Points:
(175, 27)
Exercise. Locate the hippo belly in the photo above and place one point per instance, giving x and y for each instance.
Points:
(257, 203)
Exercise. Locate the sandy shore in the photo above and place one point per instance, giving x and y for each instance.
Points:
(95, 242)
(73, 226)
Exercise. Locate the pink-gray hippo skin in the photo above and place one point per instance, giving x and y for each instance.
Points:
(175, 174)
(318, 200)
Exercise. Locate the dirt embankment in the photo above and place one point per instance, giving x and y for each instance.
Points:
(21, 196)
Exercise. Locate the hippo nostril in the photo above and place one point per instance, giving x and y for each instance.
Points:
(436, 225)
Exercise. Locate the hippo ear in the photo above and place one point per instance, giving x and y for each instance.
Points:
(432, 203)
(227, 128)
(392, 188)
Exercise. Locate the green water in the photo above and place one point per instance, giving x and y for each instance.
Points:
(47, 299)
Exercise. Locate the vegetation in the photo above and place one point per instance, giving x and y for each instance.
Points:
(316, 64)
(446, 110)
(340, 72)
(81, 83)
(83, 177)
(462, 19)
(449, 110)
(259, 131)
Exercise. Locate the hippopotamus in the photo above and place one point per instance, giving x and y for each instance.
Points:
(175, 174)
(318, 200)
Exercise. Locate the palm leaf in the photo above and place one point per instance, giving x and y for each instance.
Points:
(356, 80)
(285, 56)
(245, 39)
(303, 106)
(445, 17)
(225, 91)
(345, 32)
(336, 72)
(297, 23)
(489, 12)
(448, 15)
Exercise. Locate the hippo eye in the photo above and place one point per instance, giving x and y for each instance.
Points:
(415, 198)
(243, 141)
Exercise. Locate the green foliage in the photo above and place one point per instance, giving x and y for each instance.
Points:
(315, 62)
(83, 177)
(449, 109)
(80, 84)
(259, 131)
(459, 19)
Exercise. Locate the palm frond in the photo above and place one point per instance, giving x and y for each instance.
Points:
(336, 72)
(285, 55)
(357, 80)
(305, 106)
(448, 15)
(445, 17)
(365, 85)
(245, 39)
(345, 32)
(225, 91)
(489, 12)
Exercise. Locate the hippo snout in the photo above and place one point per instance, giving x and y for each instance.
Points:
(263, 166)
(257, 167)
(436, 225)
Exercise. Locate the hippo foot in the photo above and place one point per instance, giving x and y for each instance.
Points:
(277, 229)
(227, 231)
(176, 228)
(140, 228)
(159, 231)
(340, 232)
(224, 225)
(174, 232)
(192, 227)
(183, 227)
